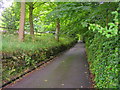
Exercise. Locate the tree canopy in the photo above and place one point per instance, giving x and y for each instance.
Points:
(73, 15)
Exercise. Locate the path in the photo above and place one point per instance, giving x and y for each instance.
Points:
(69, 70)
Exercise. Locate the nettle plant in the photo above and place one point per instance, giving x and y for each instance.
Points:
(110, 30)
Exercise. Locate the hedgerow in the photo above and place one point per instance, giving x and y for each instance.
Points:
(27, 55)
(102, 50)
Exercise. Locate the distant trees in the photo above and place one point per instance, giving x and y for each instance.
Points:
(22, 21)
(10, 17)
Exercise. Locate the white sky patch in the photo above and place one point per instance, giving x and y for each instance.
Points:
(6, 4)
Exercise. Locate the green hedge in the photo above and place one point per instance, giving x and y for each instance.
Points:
(19, 62)
(103, 58)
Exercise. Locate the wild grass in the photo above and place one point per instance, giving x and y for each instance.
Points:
(10, 42)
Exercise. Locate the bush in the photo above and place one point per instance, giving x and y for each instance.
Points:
(103, 57)
(102, 50)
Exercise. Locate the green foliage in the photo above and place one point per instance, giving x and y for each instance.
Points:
(10, 17)
(73, 15)
(20, 57)
(10, 43)
(102, 50)
(101, 37)
(110, 31)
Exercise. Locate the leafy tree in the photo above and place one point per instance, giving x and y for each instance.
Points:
(10, 18)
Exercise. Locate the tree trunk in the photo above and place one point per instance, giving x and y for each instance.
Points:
(107, 18)
(107, 21)
(57, 29)
(31, 18)
(22, 21)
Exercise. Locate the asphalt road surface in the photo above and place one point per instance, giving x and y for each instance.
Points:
(68, 70)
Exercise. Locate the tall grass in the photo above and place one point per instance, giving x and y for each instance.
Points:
(10, 43)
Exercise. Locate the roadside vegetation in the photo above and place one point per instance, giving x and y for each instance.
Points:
(35, 31)
(10, 43)
(20, 57)
(102, 49)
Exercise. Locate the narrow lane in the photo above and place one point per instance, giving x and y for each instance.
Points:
(69, 70)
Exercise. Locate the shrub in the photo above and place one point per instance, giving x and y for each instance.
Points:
(102, 51)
